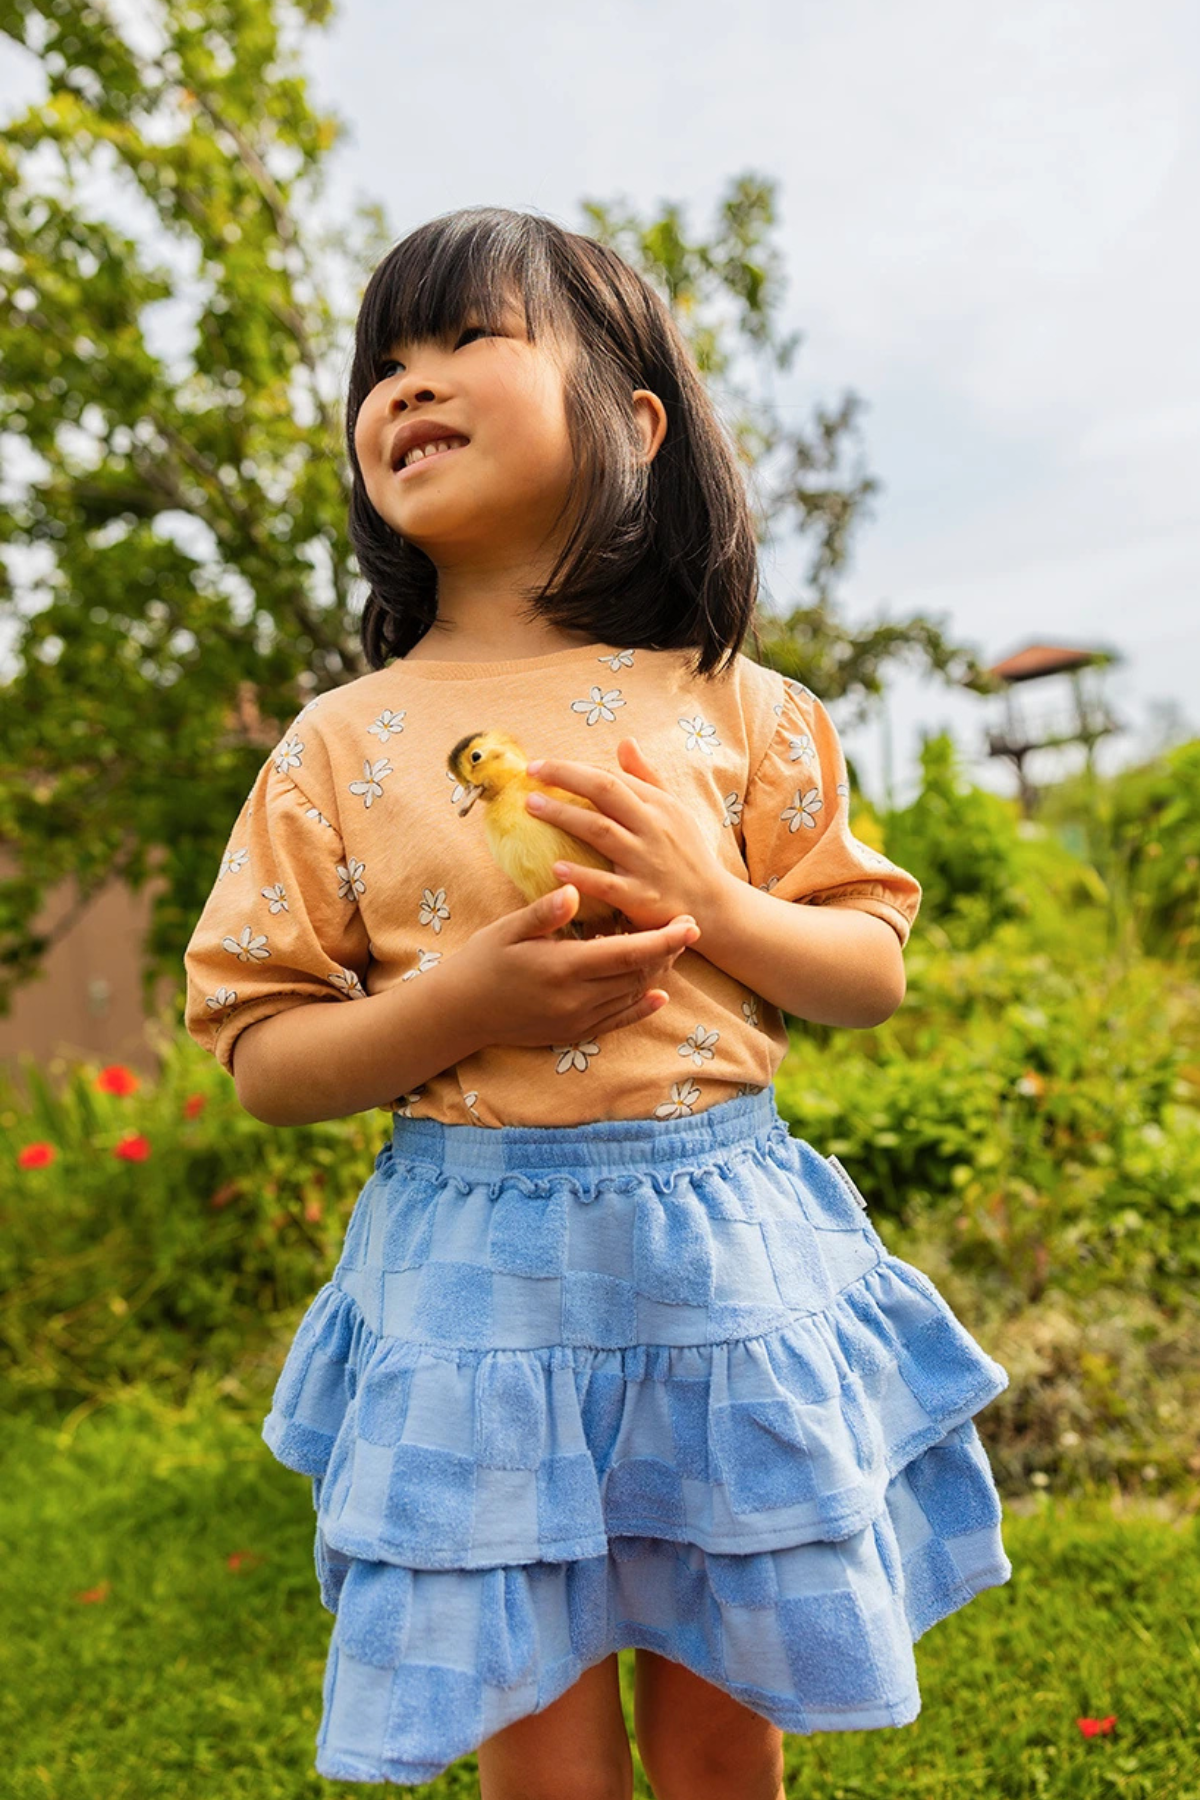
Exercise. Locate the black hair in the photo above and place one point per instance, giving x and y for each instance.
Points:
(661, 555)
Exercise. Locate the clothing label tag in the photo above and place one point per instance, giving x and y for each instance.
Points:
(838, 1170)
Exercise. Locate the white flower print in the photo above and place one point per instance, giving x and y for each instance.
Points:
(699, 735)
(869, 855)
(305, 710)
(573, 1056)
(350, 882)
(790, 681)
(247, 948)
(405, 1102)
(433, 908)
(800, 749)
(802, 808)
(370, 787)
(458, 790)
(388, 725)
(750, 1010)
(426, 959)
(600, 704)
(223, 998)
(699, 1046)
(684, 1095)
(622, 659)
(469, 1100)
(276, 896)
(347, 981)
(770, 882)
(843, 787)
(289, 755)
(233, 860)
(314, 812)
(733, 804)
(749, 1087)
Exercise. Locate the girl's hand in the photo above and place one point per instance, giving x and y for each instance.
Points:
(662, 864)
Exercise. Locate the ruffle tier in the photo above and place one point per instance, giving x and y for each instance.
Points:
(710, 1416)
(451, 1458)
(425, 1664)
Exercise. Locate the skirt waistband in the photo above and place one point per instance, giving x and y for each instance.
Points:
(483, 1152)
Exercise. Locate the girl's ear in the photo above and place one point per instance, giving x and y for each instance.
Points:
(652, 419)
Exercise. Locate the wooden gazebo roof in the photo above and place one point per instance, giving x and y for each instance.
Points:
(1047, 659)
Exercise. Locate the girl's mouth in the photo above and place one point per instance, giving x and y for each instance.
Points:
(428, 462)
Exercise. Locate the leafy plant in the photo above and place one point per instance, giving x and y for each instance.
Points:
(960, 842)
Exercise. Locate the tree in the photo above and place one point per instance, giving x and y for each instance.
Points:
(188, 520)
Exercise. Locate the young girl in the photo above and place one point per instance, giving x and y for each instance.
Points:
(609, 1357)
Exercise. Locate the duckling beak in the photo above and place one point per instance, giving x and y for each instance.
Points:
(471, 798)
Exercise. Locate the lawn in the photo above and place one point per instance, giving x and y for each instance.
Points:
(161, 1636)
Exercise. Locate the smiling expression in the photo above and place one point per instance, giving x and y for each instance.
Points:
(489, 383)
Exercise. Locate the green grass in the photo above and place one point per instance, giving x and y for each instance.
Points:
(192, 1679)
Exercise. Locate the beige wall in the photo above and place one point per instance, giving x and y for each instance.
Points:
(87, 1002)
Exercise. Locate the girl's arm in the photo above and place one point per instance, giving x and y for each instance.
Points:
(833, 964)
(324, 1061)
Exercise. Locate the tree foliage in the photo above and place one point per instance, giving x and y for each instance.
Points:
(183, 530)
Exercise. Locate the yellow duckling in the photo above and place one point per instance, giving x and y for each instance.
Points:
(491, 765)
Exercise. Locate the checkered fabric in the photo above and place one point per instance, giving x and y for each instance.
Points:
(649, 1383)
(424, 1665)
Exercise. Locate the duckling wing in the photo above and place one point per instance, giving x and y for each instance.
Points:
(527, 848)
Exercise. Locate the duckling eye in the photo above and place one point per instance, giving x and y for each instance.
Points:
(476, 755)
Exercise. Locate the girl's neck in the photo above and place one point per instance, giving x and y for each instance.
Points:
(445, 643)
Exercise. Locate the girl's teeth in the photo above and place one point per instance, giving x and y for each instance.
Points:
(439, 444)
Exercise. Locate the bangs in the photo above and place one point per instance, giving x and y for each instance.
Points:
(472, 265)
(660, 553)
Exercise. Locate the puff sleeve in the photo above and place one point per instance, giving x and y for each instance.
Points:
(282, 925)
(796, 822)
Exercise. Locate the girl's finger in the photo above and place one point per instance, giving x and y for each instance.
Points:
(610, 794)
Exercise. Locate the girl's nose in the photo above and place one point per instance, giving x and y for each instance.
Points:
(408, 395)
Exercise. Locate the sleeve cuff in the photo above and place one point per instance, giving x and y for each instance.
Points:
(253, 1010)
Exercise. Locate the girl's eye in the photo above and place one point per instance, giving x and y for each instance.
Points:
(470, 332)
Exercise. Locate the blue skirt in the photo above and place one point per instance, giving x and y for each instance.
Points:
(639, 1382)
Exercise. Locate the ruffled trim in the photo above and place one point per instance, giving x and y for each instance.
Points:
(424, 1665)
(776, 1146)
(435, 1457)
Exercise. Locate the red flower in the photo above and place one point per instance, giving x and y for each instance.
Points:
(134, 1148)
(91, 1595)
(35, 1156)
(238, 1560)
(195, 1103)
(1097, 1727)
(225, 1194)
(116, 1079)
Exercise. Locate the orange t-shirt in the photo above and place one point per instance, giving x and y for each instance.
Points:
(349, 867)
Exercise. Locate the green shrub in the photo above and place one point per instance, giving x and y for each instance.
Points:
(156, 1241)
(1154, 827)
(960, 842)
(1043, 1107)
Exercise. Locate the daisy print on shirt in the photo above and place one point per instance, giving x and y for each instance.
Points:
(349, 869)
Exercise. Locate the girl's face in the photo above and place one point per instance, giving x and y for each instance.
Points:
(501, 491)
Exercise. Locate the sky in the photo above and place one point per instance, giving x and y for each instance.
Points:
(987, 221)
